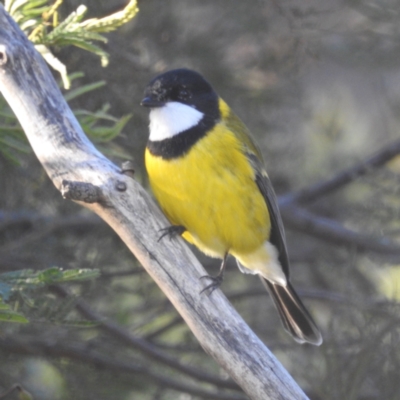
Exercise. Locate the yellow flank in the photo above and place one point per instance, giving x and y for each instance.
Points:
(211, 191)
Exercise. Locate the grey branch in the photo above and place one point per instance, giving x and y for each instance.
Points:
(342, 178)
(67, 155)
(298, 218)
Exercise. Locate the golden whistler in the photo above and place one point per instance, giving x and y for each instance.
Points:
(209, 178)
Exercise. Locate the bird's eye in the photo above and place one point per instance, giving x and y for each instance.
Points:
(184, 94)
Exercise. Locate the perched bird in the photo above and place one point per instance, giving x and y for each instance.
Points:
(209, 178)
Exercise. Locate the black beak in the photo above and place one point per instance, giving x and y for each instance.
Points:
(152, 103)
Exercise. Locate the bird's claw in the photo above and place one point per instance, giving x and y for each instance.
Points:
(216, 282)
(171, 231)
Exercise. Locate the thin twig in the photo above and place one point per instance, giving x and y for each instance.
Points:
(342, 178)
(323, 228)
(177, 320)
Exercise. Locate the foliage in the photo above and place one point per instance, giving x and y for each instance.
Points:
(40, 21)
(7, 314)
(12, 137)
(24, 283)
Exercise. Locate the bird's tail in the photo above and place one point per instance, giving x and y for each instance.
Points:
(295, 317)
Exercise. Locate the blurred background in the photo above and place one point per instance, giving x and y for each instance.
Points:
(318, 84)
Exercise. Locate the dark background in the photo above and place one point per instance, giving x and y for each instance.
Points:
(318, 84)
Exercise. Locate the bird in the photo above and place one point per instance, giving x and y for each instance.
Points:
(209, 178)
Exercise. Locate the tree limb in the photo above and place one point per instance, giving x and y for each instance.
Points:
(297, 217)
(344, 177)
(68, 156)
(300, 219)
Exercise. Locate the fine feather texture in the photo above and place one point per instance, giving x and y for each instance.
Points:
(213, 194)
(209, 178)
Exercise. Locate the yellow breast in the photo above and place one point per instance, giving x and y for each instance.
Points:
(212, 193)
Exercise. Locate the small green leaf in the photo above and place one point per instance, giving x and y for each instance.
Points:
(72, 94)
(80, 274)
(19, 280)
(51, 275)
(3, 306)
(104, 133)
(11, 316)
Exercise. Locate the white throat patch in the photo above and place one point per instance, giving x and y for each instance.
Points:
(172, 119)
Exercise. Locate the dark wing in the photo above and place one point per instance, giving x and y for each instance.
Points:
(277, 235)
(296, 319)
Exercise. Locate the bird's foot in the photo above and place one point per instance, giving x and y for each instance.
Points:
(216, 282)
(171, 231)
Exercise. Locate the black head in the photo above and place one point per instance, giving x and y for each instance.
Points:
(183, 86)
